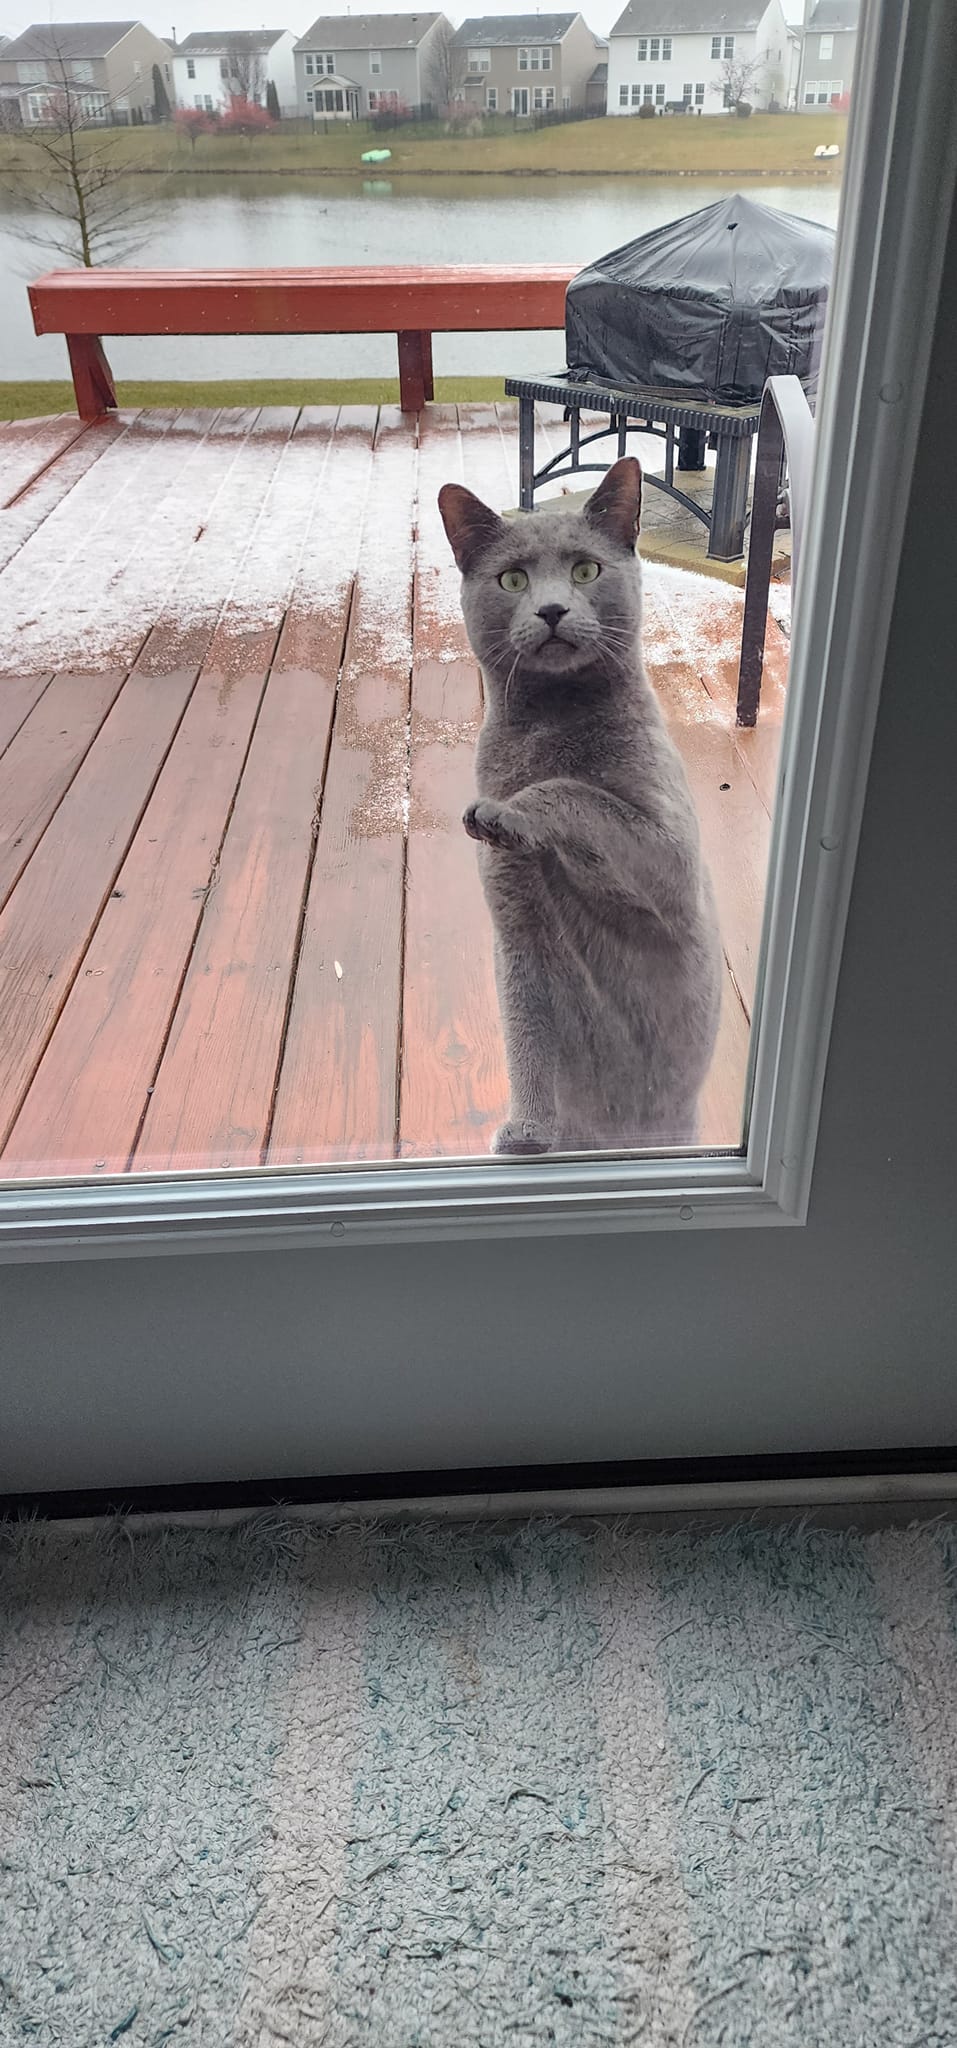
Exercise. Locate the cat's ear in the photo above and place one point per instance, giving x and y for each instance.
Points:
(471, 526)
(616, 505)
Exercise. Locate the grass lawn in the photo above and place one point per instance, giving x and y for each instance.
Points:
(28, 401)
(779, 145)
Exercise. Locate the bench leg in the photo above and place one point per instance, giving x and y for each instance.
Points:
(730, 501)
(92, 376)
(415, 369)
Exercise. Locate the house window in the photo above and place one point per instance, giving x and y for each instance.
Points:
(659, 95)
(198, 101)
(729, 46)
(549, 98)
(82, 73)
(566, 99)
(373, 102)
(826, 49)
(687, 94)
(538, 99)
(623, 95)
(224, 67)
(654, 49)
(491, 99)
(309, 99)
(648, 94)
(715, 49)
(666, 49)
(699, 95)
(375, 62)
(208, 104)
(636, 95)
(31, 74)
(546, 60)
(480, 60)
(820, 92)
(309, 67)
(190, 68)
(642, 49)
(326, 63)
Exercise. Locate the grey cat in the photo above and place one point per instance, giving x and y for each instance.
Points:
(607, 953)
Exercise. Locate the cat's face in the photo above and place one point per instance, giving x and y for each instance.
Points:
(551, 595)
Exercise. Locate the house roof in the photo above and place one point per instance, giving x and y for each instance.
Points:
(367, 31)
(688, 18)
(53, 39)
(834, 14)
(214, 42)
(487, 31)
(599, 76)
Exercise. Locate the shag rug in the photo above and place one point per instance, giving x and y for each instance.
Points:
(445, 1786)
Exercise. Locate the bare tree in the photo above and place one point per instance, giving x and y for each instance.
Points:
(738, 78)
(246, 71)
(447, 67)
(70, 178)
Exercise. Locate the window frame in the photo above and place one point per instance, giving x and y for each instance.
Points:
(901, 179)
(491, 99)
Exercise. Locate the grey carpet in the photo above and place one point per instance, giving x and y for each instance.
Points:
(456, 1787)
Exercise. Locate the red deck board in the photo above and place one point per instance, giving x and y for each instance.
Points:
(39, 764)
(46, 925)
(337, 1090)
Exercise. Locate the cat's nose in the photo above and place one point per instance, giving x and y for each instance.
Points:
(551, 613)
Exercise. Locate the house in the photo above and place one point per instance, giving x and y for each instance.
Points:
(107, 66)
(828, 52)
(347, 65)
(213, 66)
(526, 63)
(679, 53)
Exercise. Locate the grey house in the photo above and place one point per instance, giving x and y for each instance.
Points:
(527, 63)
(106, 66)
(828, 52)
(348, 64)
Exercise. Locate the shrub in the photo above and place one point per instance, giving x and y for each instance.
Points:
(743, 108)
(646, 111)
(192, 122)
(244, 117)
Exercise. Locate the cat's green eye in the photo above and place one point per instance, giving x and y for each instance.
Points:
(585, 572)
(513, 579)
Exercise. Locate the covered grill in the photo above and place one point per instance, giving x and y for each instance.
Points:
(710, 305)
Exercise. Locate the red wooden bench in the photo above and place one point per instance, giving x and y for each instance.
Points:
(411, 303)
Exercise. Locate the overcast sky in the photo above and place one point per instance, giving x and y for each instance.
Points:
(187, 15)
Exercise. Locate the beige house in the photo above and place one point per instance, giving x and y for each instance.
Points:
(107, 66)
(527, 63)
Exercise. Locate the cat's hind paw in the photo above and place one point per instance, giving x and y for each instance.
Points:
(494, 825)
(525, 1137)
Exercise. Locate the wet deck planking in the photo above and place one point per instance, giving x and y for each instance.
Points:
(240, 920)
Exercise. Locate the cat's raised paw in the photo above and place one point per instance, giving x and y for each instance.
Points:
(494, 825)
(520, 1138)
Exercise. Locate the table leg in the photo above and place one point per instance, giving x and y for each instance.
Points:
(729, 504)
(692, 447)
(526, 453)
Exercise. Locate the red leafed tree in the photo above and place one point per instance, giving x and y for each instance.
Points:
(245, 117)
(193, 121)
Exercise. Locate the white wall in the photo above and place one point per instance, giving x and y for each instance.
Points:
(281, 72)
(691, 64)
(207, 84)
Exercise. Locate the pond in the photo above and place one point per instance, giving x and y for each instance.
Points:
(254, 221)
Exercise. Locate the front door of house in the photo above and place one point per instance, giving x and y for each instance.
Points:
(520, 99)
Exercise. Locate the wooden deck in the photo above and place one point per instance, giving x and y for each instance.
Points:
(240, 922)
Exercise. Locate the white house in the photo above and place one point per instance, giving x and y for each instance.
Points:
(212, 66)
(673, 53)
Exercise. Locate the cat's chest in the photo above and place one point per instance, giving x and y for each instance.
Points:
(507, 761)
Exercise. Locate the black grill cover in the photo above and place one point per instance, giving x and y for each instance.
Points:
(711, 305)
